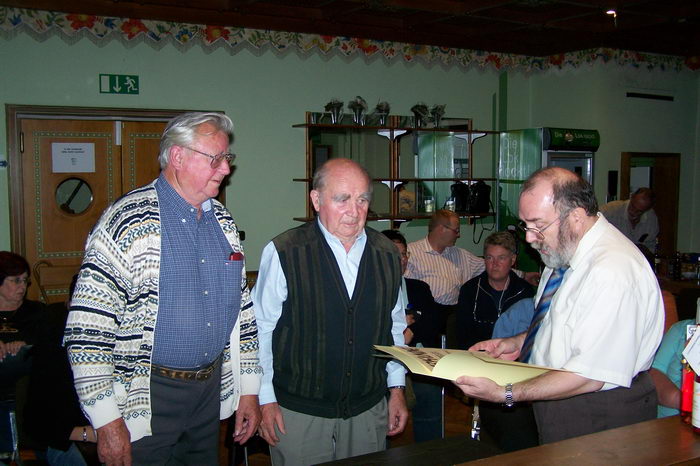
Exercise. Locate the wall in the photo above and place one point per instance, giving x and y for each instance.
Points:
(265, 94)
(597, 99)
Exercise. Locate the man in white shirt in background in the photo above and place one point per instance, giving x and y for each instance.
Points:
(635, 218)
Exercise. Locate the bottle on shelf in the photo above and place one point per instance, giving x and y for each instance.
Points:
(676, 264)
(657, 258)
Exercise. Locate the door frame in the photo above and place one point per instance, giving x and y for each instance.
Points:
(14, 113)
(667, 239)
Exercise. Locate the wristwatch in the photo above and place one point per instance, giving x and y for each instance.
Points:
(402, 387)
(509, 395)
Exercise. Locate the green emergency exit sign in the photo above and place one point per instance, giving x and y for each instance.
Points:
(119, 84)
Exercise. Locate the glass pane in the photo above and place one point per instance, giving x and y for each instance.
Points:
(73, 196)
(369, 149)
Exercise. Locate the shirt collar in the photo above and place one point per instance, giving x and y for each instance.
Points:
(172, 198)
(588, 241)
(332, 238)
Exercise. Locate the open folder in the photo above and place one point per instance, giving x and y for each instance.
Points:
(451, 364)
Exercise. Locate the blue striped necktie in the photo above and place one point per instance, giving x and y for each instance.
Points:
(542, 307)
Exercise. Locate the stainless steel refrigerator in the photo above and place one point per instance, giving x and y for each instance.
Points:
(526, 150)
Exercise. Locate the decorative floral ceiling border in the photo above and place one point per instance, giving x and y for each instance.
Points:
(42, 24)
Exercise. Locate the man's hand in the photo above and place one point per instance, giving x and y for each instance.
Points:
(114, 444)
(398, 412)
(481, 388)
(271, 418)
(533, 278)
(502, 348)
(247, 418)
(10, 349)
(407, 336)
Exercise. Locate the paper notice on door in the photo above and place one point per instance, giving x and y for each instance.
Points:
(73, 157)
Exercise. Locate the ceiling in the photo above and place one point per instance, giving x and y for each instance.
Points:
(529, 27)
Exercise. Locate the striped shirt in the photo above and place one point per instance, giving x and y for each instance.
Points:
(445, 272)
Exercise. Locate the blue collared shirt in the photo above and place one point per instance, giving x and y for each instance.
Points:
(196, 311)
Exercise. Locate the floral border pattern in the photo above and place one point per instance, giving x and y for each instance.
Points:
(42, 24)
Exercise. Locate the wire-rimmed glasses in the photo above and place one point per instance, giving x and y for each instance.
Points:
(539, 232)
(216, 159)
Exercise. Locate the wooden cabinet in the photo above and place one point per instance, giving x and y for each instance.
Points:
(411, 168)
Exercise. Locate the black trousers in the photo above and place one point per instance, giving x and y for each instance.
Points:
(185, 422)
(511, 428)
(597, 411)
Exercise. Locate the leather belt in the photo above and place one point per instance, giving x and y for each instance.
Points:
(185, 374)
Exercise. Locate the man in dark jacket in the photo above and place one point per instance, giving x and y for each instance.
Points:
(481, 302)
(485, 297)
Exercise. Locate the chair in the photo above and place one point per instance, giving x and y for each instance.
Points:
(8, 411)
(670, 310)
(53, 280)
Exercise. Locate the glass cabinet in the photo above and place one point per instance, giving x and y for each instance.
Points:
(414, 170)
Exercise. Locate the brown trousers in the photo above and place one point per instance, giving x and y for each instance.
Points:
(597, 411)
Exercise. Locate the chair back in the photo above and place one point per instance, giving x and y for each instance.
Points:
(53, 280)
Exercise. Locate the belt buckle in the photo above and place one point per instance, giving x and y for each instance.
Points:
(203, 374)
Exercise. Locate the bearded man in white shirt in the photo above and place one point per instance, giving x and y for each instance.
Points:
(602, 324)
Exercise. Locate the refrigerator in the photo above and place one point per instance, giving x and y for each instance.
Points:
(523, 151)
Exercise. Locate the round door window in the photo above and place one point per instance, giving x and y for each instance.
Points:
(73, 196)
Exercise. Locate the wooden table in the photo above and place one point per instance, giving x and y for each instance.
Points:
(449, 451)
(658, 442)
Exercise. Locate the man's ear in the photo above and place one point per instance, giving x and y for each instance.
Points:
(175, 156)
(577, 215)
(315, 199)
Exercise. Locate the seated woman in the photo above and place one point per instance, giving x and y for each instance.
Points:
(19, 321)
(485, 297)
(666, 369)
(54, 417)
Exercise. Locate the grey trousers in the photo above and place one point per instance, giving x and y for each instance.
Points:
(313, 440)
(597, 411)
(185, 423)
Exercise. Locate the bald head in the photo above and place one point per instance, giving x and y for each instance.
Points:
(569, 191)
(341, 196)
(640, 201)
(338, 166)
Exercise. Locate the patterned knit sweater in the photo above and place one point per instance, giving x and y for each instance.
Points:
(110, 329)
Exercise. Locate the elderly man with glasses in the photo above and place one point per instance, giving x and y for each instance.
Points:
(445, 267)
(598, 315)
(161, 333)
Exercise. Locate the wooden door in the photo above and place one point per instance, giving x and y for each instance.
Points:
(665, 173)
(71, 171)
(140, 148)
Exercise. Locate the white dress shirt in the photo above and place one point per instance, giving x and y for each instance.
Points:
(606, 320)
(648, 227)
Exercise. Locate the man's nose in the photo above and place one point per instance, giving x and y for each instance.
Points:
(531, 236)
(224, 168)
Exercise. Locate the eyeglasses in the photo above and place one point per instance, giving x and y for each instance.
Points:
(406, 255)
(215, 159)
(19, 280)
(539, 232)
(454, 230)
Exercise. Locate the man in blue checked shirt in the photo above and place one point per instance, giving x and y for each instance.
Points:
(161, 333)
